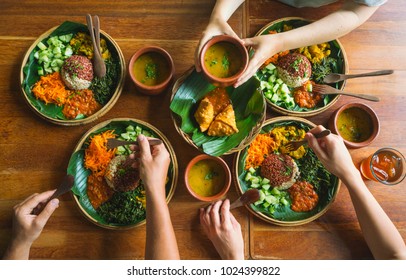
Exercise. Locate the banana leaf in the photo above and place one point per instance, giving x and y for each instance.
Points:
(31, 73)
(326, 190)
(77, 169)
(336, 53)
(248, 105)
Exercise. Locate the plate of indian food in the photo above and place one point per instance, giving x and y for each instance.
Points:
(216, 120)
(295, 188)
(108, 189)
(57, 78)
(287, 78)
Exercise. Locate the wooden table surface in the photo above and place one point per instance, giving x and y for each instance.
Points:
(35, 153)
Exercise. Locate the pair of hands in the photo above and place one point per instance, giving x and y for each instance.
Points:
(264, 47)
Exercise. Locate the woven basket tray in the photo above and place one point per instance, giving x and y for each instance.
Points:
(188, 138)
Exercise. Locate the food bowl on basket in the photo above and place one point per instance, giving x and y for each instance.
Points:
(281, 74)
(246, 102)
(104, 206)
(356, 123)
(57, 83)
(223, 60)
(207, 178)
(151, 69)
(284, 179)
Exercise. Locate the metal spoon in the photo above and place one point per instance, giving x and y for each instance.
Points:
(335, 77)
(250, 196)
(98, 61)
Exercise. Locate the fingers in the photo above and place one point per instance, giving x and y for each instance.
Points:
(32, 201)
(317, 129)
(225, 211)
(214, 213)
(44, 216)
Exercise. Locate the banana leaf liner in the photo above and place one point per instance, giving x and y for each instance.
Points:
(337, 52)
(77, 169)
(248, 103)
(284, 215)
(29, 76)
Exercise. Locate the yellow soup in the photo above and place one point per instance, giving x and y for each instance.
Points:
(206, 177)
(354, 124)
(223, 60)
(151, 69)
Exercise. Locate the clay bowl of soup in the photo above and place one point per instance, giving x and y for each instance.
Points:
(207, 178)
(356, 123)
(151, 69)
(223, 59)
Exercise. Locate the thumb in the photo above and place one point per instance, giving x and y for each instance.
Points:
(48, 211)
(145, 150)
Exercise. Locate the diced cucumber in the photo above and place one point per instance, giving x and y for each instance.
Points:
(279, 81)
(284, 201)
(255, 180)
(40, 71)
(251, 169)
(261, 195)
(255, 185)
(285, 89)
(266, 186)
(248, 176)
(270, 66)
(41, 46)
(265, 181)
(275, 191)
(275, 98)
(271, 199)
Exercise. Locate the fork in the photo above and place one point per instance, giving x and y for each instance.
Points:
(294, 145)
(326, 89)
(113, 142)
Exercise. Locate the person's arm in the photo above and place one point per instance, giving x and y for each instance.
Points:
(222, 11)
(331, 27)
(223, 230)
(28, 227)
(154, 163)
(381, 235)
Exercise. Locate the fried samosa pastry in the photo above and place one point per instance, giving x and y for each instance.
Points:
(224, 123)
(204, 114)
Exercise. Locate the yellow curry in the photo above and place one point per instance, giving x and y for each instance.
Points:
(206, 177)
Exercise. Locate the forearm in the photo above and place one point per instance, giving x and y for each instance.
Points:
(223, 9)
(160, 241)
(381, 235)
(326, 29)
(17, 251)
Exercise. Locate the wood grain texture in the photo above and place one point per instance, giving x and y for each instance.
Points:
(35, 153)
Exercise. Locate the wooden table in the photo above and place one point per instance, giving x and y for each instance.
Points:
(35, 153)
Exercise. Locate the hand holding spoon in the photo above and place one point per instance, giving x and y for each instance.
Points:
(65, 186)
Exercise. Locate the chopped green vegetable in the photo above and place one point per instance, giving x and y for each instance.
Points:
(103, 88)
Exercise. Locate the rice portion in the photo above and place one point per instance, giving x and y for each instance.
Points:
(281, 170)
(294, 69)
(77, 72)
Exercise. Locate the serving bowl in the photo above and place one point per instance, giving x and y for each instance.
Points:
(249, 106)
(275, 204)
(77, 168)
(223, 59)
(29, 76)
(356, 123)
(207, 178)
(275, 97)
(151, 69)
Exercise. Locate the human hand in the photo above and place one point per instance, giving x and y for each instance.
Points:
(223, 230)
(153, 162)
(28, 227)
(332, 153)
(264, 47)
(214, 28)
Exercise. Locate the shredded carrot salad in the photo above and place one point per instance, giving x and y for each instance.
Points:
(51, 89)
(97, 156)
(262, 145)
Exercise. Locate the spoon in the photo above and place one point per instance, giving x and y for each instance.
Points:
(98, 61)
(248, 197)
(65, 186)
(335, 77)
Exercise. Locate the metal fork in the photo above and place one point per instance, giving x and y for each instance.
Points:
(294, 145)
(326, 89)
